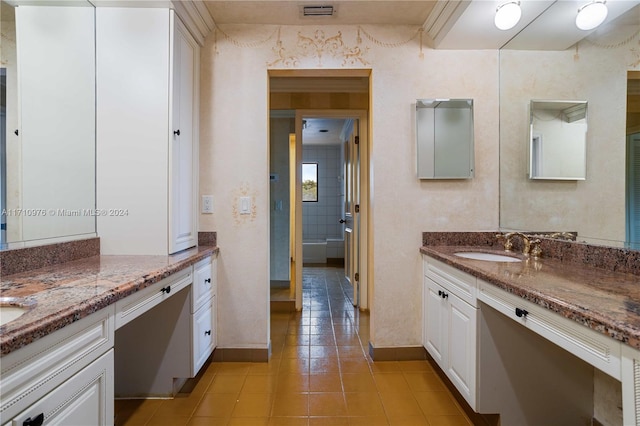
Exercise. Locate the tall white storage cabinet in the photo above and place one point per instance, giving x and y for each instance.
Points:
(147, 131)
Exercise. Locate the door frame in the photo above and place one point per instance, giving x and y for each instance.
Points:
(364, 237)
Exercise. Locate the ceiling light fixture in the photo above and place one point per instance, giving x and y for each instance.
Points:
(591, 15)
(507, 15)
(317, 11)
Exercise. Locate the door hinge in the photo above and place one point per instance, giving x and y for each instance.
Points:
(357, 140)
(357, 208)
(357, 276)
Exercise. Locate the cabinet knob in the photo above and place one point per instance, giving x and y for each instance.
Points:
(166, 289)
(443, 294)
(208, 332)
(36, 421)
(521, 313)
(208, 281)
(342, 221)
(176, 132)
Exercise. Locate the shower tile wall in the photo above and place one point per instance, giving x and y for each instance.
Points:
(320, 220)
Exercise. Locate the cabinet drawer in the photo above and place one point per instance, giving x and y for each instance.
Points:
(137, 304)
(204, 334)
(29, 373)
(595, 348)
(203, 283)
(84, 399)
(452, 279)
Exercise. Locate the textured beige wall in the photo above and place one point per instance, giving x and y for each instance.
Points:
(234, 161)
(595, 72)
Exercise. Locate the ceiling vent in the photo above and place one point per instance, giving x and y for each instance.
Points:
(318, 11)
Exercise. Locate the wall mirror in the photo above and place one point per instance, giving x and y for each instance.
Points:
(47, 147)
(444, 135)
(558, 140)
(595, 70)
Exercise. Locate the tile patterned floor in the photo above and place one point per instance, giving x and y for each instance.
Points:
(319, 374)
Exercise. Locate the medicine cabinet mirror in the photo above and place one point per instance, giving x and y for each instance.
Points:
(558, 140)
(444, 135)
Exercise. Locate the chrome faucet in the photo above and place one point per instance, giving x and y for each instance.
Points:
(526, 243)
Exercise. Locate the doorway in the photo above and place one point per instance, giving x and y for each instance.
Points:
(315, 98)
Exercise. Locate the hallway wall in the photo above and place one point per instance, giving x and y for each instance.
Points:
(234, 161)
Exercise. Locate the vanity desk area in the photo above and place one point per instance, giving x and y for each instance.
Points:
(520, 333)
(103, 327)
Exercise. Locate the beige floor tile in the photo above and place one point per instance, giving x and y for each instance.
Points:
(385, 367)
(248, 421)
(350, 351)
(322, 339)
(260, 384)
(398, 404)
(295, 352)
(368, 421)
(449, 421)
(437, 404)
(234, 368)
(216, 405)
(265, 368)
(327, 352)
(323, 365)
(291, 405)
(163, 420)
(253, 405)
(415, 366)
(391, 382)
(208, 421)
(327, 404)
(226, 384)
(354, 365)
(288, 383)
(178, 407)
(294, 366)
(289, 421)
(358, 382)
(364, 404)
(329, 421)
(326, 382)
(424, 381)
(409, 421)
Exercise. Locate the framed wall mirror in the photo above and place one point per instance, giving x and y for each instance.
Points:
(557, 140)
(47, 146)
(444, 136)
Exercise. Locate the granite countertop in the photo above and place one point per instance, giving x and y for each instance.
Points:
(67, 292)
(603, 300)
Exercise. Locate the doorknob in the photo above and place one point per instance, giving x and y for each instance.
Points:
(342, 221)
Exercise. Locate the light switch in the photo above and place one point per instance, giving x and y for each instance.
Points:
(207, 204)
(245, 205)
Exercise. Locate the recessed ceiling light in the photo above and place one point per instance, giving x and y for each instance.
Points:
(317, 11)
(591, 15)
(507, 15)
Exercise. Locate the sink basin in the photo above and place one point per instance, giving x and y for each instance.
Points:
(489, 257)
(12, 308)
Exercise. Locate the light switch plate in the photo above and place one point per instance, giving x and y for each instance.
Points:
(245, 205)
(207, 204)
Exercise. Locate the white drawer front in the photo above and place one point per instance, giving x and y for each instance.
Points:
(137, 304)
(203, 284)
(454, 280)
(204, 335)
(31, 372)
(595, 348)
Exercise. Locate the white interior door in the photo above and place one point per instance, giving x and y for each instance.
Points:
(352, 210)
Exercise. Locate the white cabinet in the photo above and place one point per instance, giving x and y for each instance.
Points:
(450, 318)
(147, 131)
(67, 376)
(204, 313)
(84, 399)
(630, 385)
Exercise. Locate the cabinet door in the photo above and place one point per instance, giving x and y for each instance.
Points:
(203, 282)
(630, 385)
(436, 323)
(204, 335)
(461, 368)
(85, 399)
(183, 137)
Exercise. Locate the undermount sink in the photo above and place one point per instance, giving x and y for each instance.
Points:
(12, 308)
(490, 257)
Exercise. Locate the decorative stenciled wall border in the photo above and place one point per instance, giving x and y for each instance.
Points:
(600, 43)
(319, 44)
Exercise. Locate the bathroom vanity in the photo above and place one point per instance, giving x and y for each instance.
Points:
(533, 339)
(95, 331)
